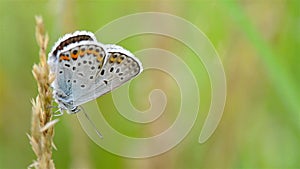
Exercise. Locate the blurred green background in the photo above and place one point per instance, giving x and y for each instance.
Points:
(258, 43)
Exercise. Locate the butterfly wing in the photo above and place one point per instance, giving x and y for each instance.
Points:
(63, 89)
(76, 71)
(119, 67)
(90, 61)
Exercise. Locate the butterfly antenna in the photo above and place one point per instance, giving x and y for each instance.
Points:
(94, 126)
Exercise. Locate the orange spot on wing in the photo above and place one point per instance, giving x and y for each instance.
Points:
(81, 53)
(95, 53)
(99, 58)
(64, 57)
(74, 56)
(111, 59)
(119, 60)
(90, 51)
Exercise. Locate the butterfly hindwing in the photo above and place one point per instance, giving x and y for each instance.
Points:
(120, 66)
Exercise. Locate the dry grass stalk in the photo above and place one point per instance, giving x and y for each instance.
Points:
(42, 128)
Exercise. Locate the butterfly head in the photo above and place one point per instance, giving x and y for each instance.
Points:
(68, 107)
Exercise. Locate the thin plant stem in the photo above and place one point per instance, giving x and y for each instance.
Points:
(42, 125)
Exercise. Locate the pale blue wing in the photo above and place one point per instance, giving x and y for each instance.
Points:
(119, 67)
(76, 74)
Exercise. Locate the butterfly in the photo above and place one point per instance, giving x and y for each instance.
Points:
(86, 69)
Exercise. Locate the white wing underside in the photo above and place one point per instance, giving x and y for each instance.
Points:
(115, 74)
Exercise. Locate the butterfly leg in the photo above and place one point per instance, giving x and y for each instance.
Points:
(58, 113)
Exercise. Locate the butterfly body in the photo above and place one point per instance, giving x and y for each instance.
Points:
(85, 69)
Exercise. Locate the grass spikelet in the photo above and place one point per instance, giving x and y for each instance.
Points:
(42, 126)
